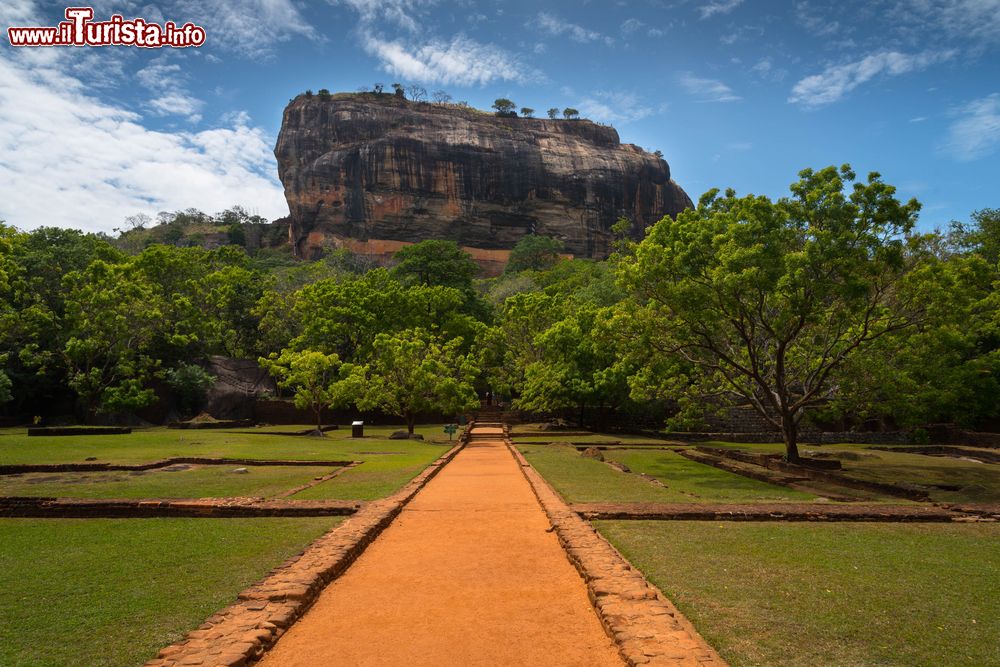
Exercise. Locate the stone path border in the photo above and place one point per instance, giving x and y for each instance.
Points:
(780, 512)
(18, 469)
(646, 626)
(240, 634)
(144, 508)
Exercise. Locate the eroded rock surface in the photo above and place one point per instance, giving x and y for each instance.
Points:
(374, 172)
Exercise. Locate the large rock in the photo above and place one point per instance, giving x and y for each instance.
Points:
(375, 172)
(238, 383)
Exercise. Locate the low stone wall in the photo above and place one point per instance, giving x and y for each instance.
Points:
(143, 508)
(18, 469)
(768, 512)
(78, 430)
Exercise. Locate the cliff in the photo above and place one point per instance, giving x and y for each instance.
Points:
(374, 172)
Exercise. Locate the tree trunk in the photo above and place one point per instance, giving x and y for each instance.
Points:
(410, 422)
(790, 432)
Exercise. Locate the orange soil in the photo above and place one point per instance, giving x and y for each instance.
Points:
(466, 575)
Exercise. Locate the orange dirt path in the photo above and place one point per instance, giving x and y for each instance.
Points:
(467, 574)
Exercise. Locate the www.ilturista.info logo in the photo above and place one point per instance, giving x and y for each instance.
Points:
(80, 30)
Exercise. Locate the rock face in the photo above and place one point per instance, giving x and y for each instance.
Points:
(375, 172)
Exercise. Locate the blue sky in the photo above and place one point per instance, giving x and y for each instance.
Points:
(736, 93)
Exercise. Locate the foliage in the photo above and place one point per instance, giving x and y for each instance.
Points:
(534, 252)
(112, 317)
(504, 107)
(435, 262)
(346, 315)
(553, 113)
(981, 236)
(527, 112)
(569, 113)
(191, 383)
(763, 302)
(413, 371)
(319, 380)
(5, 386)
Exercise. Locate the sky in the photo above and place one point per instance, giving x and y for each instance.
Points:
(736, 93)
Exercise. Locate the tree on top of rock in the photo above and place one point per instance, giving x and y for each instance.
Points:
(553, 113)
(504, 107)
(527, 112)
(569, 113)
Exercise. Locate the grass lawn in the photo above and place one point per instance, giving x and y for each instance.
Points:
(193, 482)
(379, 475)
(584, 480)
(114, 591)
(144, 445)
(801, 595)
(698, 482)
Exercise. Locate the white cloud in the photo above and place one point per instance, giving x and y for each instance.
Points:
(556, 26)
(814, 21)
(707, 90)
(71, 160)
(973, 22)
(836, 81)
(397, 12)
(630, 25)
(710, 9)
(976, 131)
(167, 81)
(614, 107)
(461, 61)
(249, 28)
(765, 69)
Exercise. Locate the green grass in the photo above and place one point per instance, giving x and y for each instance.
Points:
(979, 482)
(379, 476)
(195, 482)
(114, 591)
(698, 482)
(584, 480)
(800, 595)
(152, 444)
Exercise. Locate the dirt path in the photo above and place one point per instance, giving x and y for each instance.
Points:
(466, 575)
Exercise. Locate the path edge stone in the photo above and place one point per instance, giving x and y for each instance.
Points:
(241, 633)
(644, 624)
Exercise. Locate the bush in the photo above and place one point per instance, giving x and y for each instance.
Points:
(191, 383)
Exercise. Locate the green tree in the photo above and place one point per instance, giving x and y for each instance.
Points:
(569, 113)
(981, 236)
(945, 369)
(763, 302)
(318, 380)
(412, 372)
(435, 262)
(504, 107)
(5, 386)
(553, 113)
(190, 383)
(112, 316)
(533, 252)
(527, 112)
